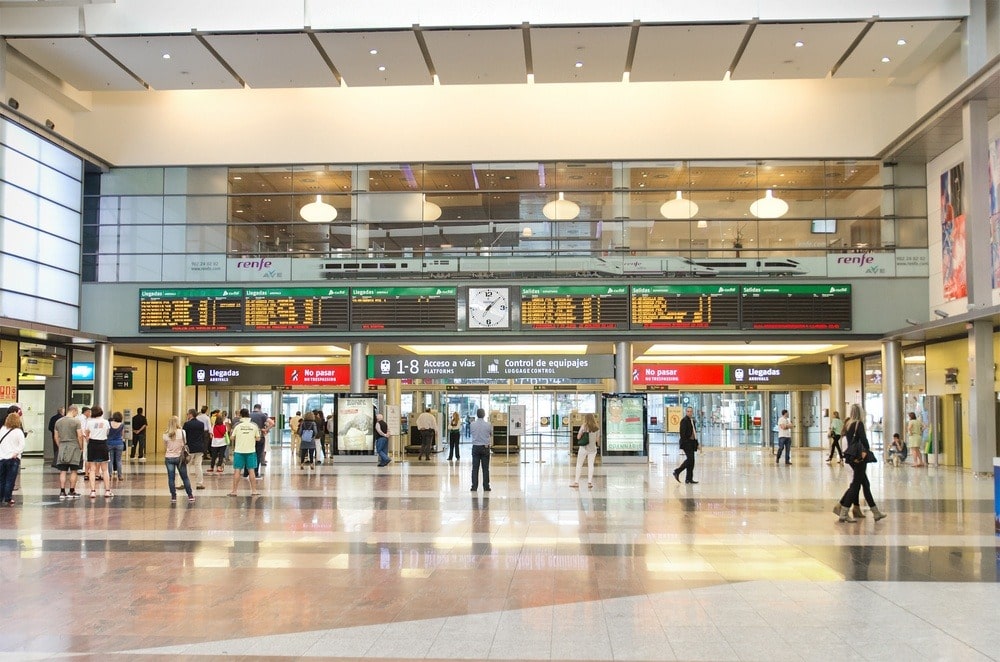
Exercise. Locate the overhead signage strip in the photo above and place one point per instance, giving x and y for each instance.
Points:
(710, 307)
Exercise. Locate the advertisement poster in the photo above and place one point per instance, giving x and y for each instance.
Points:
(953, 235)
(994, 169)
(624, 428)
(356, 423)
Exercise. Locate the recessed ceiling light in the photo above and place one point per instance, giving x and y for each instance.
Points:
(166, 56)
(373, 51)
(901, 42)
(886, 59)
(381, 67)
(800, 44)
(578, 64)
(237, 178)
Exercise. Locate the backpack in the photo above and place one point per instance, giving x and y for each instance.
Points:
(307, 430)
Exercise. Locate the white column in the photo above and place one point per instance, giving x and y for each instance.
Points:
(623, 367)
(104, 361)
(359, 367)
(179, 385)
(892, 390)
(837, 402)
(982, 426)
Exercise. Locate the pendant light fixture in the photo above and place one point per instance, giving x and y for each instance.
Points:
(561, 209)
(431, 211)
(769, 206)
(679, 208)
(318, 212)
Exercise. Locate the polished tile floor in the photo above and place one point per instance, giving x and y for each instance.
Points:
(353, 561)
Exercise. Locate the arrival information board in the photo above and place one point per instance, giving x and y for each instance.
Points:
(685, 307)
(296, 309)
(797, 307)
(191, 310)
(576, 307)
(404, 309)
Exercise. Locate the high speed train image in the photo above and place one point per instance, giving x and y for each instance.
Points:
(564, 266)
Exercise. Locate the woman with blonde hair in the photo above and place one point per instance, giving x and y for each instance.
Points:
(915, 437)
(858, 454)
(587, 440)
(454, 435)
(174, 442)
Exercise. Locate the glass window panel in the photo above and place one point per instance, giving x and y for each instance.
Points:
(59, 220)
(911, 232)
(174, 240)
(140, 210)
(19, 170)
(132, 181)
(60, 253)
(60, 188)
(206, 238)
(61, 160)
(18, 204)
(17, 239)
(19, 306)
(193, 181)
(911, 202)
(138, 239)
(107, 239)
(58, 285)
(19, 138)
(107, 268)
(195, 209)
(140, 267)
(320, 179)
(109, 210)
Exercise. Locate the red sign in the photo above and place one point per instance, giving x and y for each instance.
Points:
(664, 373)
(317, 375)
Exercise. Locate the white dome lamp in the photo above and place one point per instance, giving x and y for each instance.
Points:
(527, 232)
(679, 208)
(431, 211)
(769, 206)
(318, 212)
(561, 209)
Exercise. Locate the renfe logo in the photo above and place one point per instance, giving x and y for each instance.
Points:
(259, 265)
(859, 260)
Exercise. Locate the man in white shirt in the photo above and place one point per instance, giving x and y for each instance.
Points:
(426, 428)
(784, 437)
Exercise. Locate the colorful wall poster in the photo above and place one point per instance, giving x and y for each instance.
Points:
(953, 235)
(356, 423)
(624, 423)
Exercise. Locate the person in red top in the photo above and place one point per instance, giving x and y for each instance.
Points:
(219, 443)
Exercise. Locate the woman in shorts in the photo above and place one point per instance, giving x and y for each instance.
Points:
(97, 451)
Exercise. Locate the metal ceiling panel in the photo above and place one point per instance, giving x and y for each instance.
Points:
(274, 60)
(190, 67)
(772, 54)
(477, 57)
(397, 51)
(922, 39)
(76, 61)
(685, 52)
(601, 52)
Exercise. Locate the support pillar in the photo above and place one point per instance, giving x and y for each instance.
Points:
(359, 367)
(104, 361)
(179, 384)
(795, 413)
(982, 427)
(623, 367)
(837, 401)
(892, 391)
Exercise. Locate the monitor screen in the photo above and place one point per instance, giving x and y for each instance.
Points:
(83, 372)
(824, 226)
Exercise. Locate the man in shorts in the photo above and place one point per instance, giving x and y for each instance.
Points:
(68, 435)
(244, 438)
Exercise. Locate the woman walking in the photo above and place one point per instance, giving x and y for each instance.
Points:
(858, 455)
(174, 441)
(11, 447)
(308, 431)
(914, 438)
(587, 452)
(836, 427)
(220, 440)
(116, 446)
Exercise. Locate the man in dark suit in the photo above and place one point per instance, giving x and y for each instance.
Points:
(689, 444)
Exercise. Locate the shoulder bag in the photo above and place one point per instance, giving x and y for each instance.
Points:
(583, 440)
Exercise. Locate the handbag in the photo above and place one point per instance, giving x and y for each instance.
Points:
(583, 440)
(185, 455)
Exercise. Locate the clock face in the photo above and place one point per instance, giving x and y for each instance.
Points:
(489, 307)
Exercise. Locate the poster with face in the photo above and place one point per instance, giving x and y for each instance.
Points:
(953, 235)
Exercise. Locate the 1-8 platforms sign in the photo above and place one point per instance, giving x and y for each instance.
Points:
(490, 367)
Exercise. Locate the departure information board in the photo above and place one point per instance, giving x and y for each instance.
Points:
(575, 307)
(404, 308)
(295, 309)
(190, 310)
(685, 307)
(797, 307)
